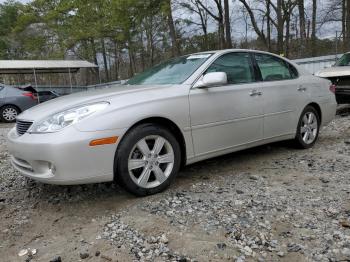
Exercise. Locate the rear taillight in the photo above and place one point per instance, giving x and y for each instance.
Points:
(332, 88)
(31, 95)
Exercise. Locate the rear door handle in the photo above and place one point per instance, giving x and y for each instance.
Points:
(255, 93)
(302, 89)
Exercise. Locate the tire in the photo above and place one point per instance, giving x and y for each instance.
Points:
(307, 132)
(9, 113)
(147, 160)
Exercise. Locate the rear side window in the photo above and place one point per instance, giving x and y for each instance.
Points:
(274, 69)
(237, 66)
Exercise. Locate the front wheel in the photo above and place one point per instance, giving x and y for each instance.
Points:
(308, 128)
(148, 159)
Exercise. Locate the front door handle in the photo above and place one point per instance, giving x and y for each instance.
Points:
(302, 89)
(255, 93)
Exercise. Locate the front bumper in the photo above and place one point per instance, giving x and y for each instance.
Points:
(65, 157)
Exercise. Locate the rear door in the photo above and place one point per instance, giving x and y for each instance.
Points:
(283, 95)
(231, 115)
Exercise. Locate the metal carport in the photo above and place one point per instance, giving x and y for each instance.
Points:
(44, 67)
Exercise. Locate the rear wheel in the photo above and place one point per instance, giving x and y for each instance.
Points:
(9, 113)
(308, 128)
(148, 160)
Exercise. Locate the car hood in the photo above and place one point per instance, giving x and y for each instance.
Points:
(66, 102)
(336, 71)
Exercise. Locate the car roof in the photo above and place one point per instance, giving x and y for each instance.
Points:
(223, 51)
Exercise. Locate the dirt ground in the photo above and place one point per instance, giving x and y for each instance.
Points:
(271, 203)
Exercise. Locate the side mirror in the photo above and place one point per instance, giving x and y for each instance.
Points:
(211, 80)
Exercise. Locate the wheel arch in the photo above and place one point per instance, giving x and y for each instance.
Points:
(9, 104)
(317, 108)
(171, 126)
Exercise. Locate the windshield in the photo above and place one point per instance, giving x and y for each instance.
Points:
(344, 60)
(174, 71)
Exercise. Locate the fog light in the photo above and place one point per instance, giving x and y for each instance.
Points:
(52, 168)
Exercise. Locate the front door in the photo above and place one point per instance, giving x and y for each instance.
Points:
(227, 116)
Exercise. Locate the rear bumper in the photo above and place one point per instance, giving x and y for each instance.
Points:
(343, 94)
(63, 158)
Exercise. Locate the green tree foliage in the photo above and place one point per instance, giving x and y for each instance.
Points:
(9, 13)
(128, 36)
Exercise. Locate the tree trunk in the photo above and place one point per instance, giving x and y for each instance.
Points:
(219, 18)
(204, 25)
(116, 61)
(280, 27)
(104, 55)
(172, 30)
(302, 25)
(268, 24)
(94, 53)
(253, 20)
(343, 22)
(131, 60)
(313, 27)
(287, 35)
(142, 51)
(221, 21)
(150, 44)
(302, 20)
(227, 24)
(347, 22)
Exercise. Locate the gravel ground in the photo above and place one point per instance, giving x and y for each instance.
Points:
(271, 203)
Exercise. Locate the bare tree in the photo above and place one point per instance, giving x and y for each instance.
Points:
(227, 24)
(172, 29)
(313, 27)
(347, 23)
(194, 7)
(253, 20)
(268, 23)
(302, 23)
(219, 18)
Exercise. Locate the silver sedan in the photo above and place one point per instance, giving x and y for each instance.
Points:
(179, 112)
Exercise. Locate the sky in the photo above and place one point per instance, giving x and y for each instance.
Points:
(239, 30)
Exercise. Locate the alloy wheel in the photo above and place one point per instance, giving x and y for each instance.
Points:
(151, 161)
(309, 128)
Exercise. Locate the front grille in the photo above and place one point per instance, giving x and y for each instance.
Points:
(22, 126)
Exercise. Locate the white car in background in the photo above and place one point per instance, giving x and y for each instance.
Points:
(339, 74)
(179, 112)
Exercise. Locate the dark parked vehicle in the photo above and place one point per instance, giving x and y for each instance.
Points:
(43, 96)
(46, 95)
(13, 101)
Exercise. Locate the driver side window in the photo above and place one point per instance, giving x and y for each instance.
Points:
(237, 66)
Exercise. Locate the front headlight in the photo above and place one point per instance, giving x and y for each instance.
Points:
(66, 118)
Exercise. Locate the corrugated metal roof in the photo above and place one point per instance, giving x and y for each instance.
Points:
(42, 66)
(317, 59)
